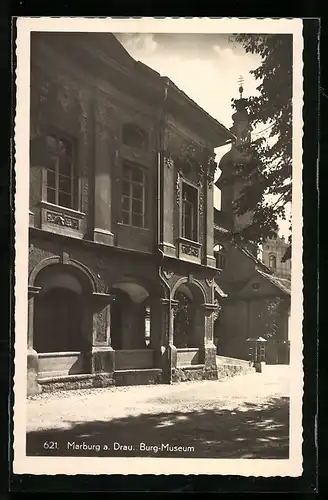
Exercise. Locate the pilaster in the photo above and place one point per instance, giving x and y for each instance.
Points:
(102, 231)
(32, 386)
(101, 353)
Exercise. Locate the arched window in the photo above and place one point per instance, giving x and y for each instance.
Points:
(220, 256)
(272, 262)
(134, 136)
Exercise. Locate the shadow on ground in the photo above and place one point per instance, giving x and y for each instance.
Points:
(252, 431)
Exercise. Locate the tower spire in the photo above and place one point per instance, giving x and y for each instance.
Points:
(241, 88)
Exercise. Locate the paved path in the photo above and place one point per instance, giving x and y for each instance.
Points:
(245, 417)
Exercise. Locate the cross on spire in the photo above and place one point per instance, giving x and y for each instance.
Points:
(240, 83)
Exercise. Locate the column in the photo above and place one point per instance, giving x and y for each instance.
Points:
(162, 320)
(102, 232)
(167, 206)
(32, 356)
(102, 354)
(208, 347)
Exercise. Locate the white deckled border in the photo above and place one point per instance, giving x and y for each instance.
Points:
(22, 464)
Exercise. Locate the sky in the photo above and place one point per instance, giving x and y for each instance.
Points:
(206, 67)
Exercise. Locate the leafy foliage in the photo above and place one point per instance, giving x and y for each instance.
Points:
(271, 167)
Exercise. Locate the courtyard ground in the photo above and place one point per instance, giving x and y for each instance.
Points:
(243, 417)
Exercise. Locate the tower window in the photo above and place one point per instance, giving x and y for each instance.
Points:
(134, 137)
(189, 212)
(133, 195)
(272, 262)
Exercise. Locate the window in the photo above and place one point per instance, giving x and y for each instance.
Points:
(272, 262)
(133, 195)
(134, 137)
(189, 212)
(60, 181)
(220, 256)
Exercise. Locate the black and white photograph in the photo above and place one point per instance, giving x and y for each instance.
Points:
(158, 241)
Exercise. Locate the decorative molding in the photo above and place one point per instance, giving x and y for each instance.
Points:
(190, 250)
(174, 307)
(62, 220)
(168, 162)
(104, 111)
(167, 274)
(217, 310)
(178, 187)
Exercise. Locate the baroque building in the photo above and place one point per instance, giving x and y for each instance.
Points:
(257, 302)
(122, 270)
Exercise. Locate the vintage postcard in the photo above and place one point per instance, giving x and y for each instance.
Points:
(158, 247)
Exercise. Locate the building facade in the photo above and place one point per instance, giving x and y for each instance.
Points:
(273, 252)
(122, 271)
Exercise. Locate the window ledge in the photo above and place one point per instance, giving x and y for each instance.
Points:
(59, 208)
(189, 242)
(133, 227)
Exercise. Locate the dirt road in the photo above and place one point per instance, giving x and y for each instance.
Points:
(243, 417)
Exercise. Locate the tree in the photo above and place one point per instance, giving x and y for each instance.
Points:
(271, 190)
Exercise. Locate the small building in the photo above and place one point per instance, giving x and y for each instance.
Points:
(122, 272)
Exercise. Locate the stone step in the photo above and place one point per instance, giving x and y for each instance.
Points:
(137, 376)
(75, 382)
(229, 370)
(224, 360)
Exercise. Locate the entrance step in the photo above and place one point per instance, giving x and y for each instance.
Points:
(138, 377)
(231, 367)
(75, 382)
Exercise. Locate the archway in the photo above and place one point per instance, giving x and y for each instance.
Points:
(130, 316)
(130, 326)
(59, 320)
(188, 326)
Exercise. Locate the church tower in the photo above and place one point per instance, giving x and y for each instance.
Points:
(231, 182)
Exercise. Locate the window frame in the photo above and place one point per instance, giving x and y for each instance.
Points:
(273, 257)
(195, 237)
(74, 177)
(130, 197)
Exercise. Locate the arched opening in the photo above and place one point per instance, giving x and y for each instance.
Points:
(272, 262)
(59, 320)
(130, 317)
(188, 326)
(220, 256)
(183, 321)
(130, 326)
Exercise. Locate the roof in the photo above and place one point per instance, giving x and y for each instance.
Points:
(225, 130)
(148, 72)
(283, 284)
(252, 257)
